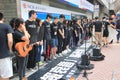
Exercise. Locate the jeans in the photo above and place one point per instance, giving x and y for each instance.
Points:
(118, 35)
(38, 55)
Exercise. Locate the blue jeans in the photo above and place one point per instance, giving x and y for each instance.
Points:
(38, 55)
(118, 35)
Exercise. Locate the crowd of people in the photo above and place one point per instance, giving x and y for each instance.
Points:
(50, 40)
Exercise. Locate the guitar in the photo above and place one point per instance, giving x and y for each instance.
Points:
(24, 48)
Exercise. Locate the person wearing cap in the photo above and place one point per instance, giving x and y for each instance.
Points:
(60, 34)
(47, 37)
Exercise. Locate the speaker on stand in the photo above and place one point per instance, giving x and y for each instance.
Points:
(84, 63)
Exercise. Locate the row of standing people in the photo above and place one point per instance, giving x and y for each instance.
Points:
(55, 38)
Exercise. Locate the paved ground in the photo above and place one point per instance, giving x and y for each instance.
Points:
(104, 69)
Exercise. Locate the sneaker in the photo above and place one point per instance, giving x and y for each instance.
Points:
(54, 57)
(64, 52)
(32, 69)
(69, 50)
(41, 63)
(60, 54)
(57, 55)
(104, 45)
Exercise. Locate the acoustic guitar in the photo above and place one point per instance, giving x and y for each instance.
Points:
(24, 48)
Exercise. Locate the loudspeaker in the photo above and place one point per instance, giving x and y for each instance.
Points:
(96, 52)
(85, 60)
(97, 55)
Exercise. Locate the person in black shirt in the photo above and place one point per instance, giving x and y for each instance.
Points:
(112, 30)
(40, 38)
(21, 35)
(54, 42)
(98, 31)
(118, 30)
(105, 31)
(47, 37)
(32, 28)
(6, 42)
(77, 31)
(60, 34)
(66, 40)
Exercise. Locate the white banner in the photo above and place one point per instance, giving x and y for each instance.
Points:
(27, 6)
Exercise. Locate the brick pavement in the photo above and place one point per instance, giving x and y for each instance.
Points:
(104, 69)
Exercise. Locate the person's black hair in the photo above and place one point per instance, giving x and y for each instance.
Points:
(1, 16)
(12, 23)
(18, 21)
(55, 18)
(48, 16)
(96, 17)
(62, 16)
(70, 22)
(64, 22)
(110, 18)
(38, 21)
(31, 12)
(76, 20)
(104, 18)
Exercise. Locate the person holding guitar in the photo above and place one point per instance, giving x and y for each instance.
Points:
(21, 35)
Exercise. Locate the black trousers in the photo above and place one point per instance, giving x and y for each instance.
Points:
(60, 44)
(22, 63)
(32, 57)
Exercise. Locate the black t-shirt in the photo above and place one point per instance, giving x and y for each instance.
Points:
(98, 26)
(66, 31)
(77, 28)
(41, 33)
(60, 27)
(105, 23)
(17, 36)
(4, 49)
(32, 29)
(54, 28)
(47, 31)
(118, 24)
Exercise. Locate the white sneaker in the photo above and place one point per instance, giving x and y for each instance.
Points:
(60, 54)
(64, 52)
(54, 57)
(32, 69)
(68, 50)
(57, 55)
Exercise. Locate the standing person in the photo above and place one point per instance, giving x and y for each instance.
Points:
(60, 34)
(6, 42)
(98, 31)
(77, 31)
(21, 35)
(40, 38)
(54, 42)
(32, 27)
(105, 31)
(66, 34)
(47, 37)
(112, 30)
(118, 30)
